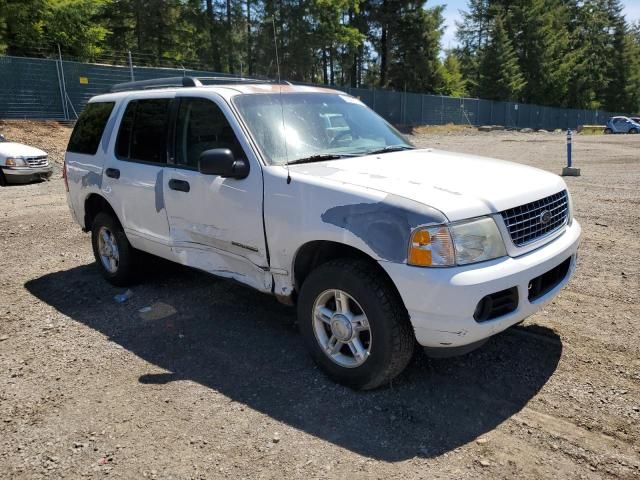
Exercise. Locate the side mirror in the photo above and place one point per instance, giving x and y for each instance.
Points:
(220, 161)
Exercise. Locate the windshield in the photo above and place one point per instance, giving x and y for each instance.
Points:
(297, 126)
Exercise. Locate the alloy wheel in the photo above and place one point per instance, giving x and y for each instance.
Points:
(341, 328)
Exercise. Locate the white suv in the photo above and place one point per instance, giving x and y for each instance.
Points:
(379, 244)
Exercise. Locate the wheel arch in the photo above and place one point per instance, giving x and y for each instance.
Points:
(93, 205)
(314, 253)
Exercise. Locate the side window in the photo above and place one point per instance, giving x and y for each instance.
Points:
(123, 143)
(143, 131)
(88, 131)
(202, 126)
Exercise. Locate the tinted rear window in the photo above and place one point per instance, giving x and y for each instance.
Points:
(89, 127)
(143, 131)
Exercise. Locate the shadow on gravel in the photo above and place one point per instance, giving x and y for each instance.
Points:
(245, 345)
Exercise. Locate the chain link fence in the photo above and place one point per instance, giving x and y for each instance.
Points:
(37, 88)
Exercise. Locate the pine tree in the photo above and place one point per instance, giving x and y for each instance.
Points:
(452, 81)
(620, 94)
(541, 40)
(500, 75)
(413, 56)
(590, 28)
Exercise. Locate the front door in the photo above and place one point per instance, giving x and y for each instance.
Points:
(215, 223)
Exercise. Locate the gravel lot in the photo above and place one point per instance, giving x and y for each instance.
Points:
(212, 380)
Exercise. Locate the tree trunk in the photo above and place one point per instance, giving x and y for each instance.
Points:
(230, 57)
(215, 51)
(383, 57)
(353, 75)
(325, 75)
(249, 59)
(138, 27)
(333, 80)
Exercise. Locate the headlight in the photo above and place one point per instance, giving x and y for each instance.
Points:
(477, 240)
(15, 162)
(431, 247)
(460, 243)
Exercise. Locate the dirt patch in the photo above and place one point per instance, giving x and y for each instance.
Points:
(194, 377)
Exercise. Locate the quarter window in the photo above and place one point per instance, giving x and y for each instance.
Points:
(89, 128)
(143, 131)
(202, 126)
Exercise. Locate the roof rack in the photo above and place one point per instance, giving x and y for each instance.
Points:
(183, 82)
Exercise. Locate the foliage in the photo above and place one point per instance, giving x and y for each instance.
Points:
(500, 76)
(453, 82)
(570, 53)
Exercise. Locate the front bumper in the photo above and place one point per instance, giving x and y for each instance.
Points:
(27, 174)
(441, 301)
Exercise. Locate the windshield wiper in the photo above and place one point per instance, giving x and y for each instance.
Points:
(320, 157)
(389, 148)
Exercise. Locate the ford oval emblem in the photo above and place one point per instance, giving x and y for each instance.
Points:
(545, 217)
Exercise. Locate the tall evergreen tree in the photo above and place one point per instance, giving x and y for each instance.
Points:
(452, 80)
(413, 57)
(541, 40)
(500, 75)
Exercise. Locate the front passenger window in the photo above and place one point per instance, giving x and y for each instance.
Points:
(202, 126)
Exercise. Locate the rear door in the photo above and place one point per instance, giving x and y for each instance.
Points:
(134, 174)
(215, 223)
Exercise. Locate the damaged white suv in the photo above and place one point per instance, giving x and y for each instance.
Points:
(307, 194)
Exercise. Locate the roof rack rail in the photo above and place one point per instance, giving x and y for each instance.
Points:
(169, 82)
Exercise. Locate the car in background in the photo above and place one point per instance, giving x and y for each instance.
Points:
(21, 163)
(622, 125)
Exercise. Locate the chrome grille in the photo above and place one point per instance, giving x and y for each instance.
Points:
(36, 162)
(534, 220)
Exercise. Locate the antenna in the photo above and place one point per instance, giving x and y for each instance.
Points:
(284, 133)
(275, 43)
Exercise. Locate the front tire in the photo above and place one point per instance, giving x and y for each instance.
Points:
(112, 250)
(3, 180)
(354, 324)
(633, 131)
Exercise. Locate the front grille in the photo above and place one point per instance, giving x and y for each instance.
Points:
(496, 305)
(531, 221)
(546, 282)
(36, 162)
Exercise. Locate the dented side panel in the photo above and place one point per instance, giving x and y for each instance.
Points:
(217, 226)
(312, 208)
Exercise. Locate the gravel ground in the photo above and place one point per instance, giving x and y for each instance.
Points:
(195, 377)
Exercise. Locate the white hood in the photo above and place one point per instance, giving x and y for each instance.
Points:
(11, 149)
(461, 186)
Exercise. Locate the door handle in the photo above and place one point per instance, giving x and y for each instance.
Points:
(112, 173)
(179, 185)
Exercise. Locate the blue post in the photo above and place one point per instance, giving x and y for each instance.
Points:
(569, 170)
(569, 141)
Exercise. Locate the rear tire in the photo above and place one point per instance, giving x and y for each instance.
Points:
(3, 180)
(350, 302)
(608, 131)
(113, 253)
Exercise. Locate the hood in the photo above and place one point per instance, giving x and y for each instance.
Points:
(460, 186)
(11, 149)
